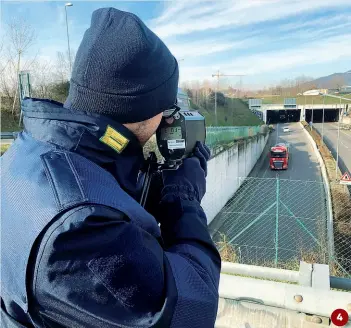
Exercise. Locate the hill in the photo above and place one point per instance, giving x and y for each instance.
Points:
(235, 112)
(332, 81)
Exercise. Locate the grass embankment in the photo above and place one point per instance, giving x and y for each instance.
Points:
(4, 147)
(9, 122)
(235, 112)
(341, 203)
(229, 254)
(301, 100)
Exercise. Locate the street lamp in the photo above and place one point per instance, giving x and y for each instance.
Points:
(179, 60)
(312, 114)
(68, 4)
(337, 143)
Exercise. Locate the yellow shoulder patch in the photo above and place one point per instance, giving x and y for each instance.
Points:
(114, 139)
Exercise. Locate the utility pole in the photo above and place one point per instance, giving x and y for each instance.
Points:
(323, 119)
(337, 143)
(218, 75)
(312, 114)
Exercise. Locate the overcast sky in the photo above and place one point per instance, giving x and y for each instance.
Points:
(267, 40)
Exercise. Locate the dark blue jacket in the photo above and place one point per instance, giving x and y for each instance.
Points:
(77, 248)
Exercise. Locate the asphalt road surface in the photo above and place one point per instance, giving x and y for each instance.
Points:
(331, 138)
(277, 215)
(303, 162)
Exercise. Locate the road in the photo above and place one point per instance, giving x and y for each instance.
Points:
(303, 164)
(275, 216)
(331, 138)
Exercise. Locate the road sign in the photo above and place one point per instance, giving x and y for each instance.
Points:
(346, 179)
(25, 89)
(24, 84)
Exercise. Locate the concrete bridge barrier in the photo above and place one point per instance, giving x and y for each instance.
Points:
(227, 170)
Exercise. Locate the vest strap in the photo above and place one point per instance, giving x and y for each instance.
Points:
(63, 179)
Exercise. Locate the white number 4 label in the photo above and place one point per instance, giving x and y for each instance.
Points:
(339, 317)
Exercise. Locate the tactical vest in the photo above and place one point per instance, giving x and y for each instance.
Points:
(39, 182)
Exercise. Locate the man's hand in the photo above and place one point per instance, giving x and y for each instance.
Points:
(189, 180)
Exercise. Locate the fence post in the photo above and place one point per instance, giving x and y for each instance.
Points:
(277, 219)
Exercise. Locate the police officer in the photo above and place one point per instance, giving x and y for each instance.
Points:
(77, 248)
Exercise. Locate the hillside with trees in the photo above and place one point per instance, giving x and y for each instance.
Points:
(231, 111)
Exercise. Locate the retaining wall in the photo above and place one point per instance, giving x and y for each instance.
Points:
(227, 170)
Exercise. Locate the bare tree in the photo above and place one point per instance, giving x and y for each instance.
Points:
(21, 37)
(302, 83)
(42, 79)
(2, 64)
(62, 67)
(8, 81)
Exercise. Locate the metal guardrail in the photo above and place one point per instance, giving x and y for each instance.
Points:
(282, 275)
(9, 135)
(307, 299)
(307, 106)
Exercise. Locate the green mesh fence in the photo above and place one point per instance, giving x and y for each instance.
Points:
(280, 222)
(225, 134)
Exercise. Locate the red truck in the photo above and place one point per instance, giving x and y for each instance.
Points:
(279, 157)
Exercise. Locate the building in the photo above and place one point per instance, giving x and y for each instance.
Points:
(315, 92)
(345, 89)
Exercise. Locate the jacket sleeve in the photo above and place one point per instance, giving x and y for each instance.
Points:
(94, 268)
(194, 260)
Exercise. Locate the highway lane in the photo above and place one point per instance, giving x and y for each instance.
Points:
(303, 163)
(277, 214)
(331, 138)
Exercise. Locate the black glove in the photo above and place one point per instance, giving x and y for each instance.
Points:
(189, 180)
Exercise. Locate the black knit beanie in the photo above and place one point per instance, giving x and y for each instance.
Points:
(122, 69)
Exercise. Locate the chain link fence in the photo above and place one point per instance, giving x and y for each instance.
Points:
(341, 208)
(279, 222)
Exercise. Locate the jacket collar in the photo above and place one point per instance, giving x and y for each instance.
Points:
(80, 131)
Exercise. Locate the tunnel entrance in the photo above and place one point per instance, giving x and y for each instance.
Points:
(283, 116)
(330, 115)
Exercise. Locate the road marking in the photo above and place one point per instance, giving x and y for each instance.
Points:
(344, 144)
(334, 134)
(343, 132)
